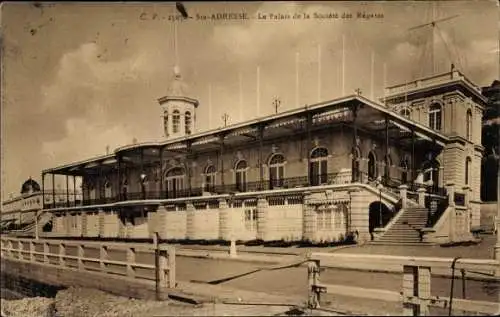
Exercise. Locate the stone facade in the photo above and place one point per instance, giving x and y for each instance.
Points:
(205, 187)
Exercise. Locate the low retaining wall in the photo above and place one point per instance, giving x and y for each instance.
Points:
(23, 277)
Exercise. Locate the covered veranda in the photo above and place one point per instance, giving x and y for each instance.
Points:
(157, 171)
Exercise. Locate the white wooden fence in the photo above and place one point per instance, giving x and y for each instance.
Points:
(135, 261)
(416, 295)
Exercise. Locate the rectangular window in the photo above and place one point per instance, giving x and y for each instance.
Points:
(251, 219)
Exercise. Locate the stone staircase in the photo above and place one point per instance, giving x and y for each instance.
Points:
(406, 229)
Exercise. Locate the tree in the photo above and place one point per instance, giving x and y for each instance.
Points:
(490, 141)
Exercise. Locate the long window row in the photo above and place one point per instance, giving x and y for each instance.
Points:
(436, 118)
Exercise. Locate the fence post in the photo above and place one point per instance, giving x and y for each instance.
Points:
(163, 264)
(20, 255)
(103, 256)
(81, 255)
(32, 251)
(62, 253)
(46, 251)
(416, 290)
(130, 261)
(171, 267)
(313, 281)
(9, 248)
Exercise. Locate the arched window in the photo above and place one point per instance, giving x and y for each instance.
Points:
(176, 118)
(372, 166)
(318, 168)
(435, 116)
(187, 122)
(210, 179)
(405, 112)
(404, 165)
(165, 122)
(276, 171)
(468, 163)
(175, 182)
(241, 175)
(356, 156)
(469, 125)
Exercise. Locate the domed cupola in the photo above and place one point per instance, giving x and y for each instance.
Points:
(179, 110)
(30, 186)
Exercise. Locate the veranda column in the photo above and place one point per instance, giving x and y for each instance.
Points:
(354, 175)
(43, 190)
(74, 190)
(161, 174)
(221, 159)
(308, 146)
(67, 191)
(53, 190)
(189, 163)
(119, 178)
(261, 162)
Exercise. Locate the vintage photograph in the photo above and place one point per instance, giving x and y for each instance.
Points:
(272, 158)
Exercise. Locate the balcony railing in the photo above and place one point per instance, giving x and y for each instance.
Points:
(344, 177)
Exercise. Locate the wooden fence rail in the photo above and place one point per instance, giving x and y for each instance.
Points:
(416, 295)
(136, 261)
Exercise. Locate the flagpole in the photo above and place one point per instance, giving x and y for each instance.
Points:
(319, 72)
(343, 65)
(209, 106)
(297, 56)
(240, 81)
(385, 81)
(372, 95)
(258, 91)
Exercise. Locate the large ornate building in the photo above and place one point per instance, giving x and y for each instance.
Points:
(349, 167)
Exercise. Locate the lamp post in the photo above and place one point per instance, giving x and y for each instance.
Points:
(143, 188)
(380, 187)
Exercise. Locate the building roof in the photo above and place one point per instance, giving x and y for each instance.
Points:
(30, 186)
(338, 105)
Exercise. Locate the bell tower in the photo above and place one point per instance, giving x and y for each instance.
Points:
(179, 110)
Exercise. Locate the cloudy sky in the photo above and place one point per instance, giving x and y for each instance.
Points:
(80, 77)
